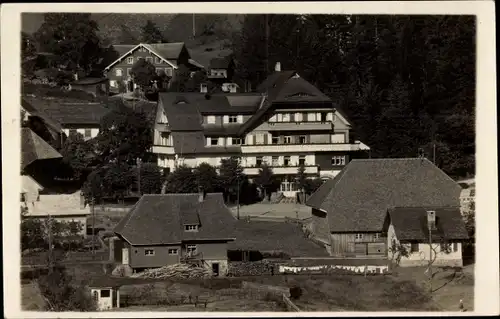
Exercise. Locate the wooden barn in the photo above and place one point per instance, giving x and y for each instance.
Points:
(349, 210)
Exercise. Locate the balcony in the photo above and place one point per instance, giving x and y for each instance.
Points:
(162, 149)
(297, 126)
(162, 127)
(281, 170)
(299, 148)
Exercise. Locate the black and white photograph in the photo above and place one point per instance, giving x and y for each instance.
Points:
(296, 161)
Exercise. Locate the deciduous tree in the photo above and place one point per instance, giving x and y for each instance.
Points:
(143, 73)
(266, 180)
(151, 178)
(182, 180)
(230, 174)
(206, 177)
(78, 155)
(72, 37)
(124, 135)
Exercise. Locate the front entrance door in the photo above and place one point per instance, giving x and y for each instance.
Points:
(215, 269)
(114, 297)
(130, 86)
(125, 256)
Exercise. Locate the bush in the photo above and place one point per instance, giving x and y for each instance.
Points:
(62, 294)
(295, 292)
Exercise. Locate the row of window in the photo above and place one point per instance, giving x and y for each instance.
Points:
(415, 247)
(361, 236)
(211, 119)
(157, 60)
(302, 117)
(259, 139)
(336, 160)
(190, 250)
(168, 71)
(86, 133)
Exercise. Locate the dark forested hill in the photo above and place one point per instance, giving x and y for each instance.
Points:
(406, 82)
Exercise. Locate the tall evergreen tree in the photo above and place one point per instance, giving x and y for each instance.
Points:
(151, 33)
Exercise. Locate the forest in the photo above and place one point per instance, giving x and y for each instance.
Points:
(407, 83)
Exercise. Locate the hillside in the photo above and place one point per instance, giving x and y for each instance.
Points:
(122, 28)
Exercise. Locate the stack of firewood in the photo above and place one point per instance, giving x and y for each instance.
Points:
(257, 268)
(181, 271)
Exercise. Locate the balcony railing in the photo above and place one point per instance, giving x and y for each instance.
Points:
(293, 148)
(162, 149)
(162, 127)
(282, 170)
(298, 126)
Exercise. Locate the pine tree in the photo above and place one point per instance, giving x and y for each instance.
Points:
(151, 33)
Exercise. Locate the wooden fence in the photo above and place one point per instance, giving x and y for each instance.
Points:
(290, 305)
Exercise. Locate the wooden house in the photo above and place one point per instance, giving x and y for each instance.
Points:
(349, 210)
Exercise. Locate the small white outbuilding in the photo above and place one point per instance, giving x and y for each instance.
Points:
(106, 293)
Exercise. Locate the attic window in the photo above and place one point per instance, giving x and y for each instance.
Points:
(191, 228)
(359, 236)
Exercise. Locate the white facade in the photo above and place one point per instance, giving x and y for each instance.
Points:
(420, 253)
(104, 298)
(288, 139)
(87, 133)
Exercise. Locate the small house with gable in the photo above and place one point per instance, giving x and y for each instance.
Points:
(168, 229)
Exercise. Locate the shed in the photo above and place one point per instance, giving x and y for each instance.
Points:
(106, 293)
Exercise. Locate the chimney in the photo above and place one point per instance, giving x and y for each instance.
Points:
(277, 67)
(82, 201)
(201, 194)
(431, 219)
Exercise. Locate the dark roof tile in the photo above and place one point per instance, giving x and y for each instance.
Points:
(410, 223)
(358, 199)
(157, 219)
(34, 148)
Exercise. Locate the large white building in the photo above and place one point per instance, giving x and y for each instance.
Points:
(286, 123)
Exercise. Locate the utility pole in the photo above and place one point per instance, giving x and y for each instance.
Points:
(238, 197)
(431, 220)
(49, 230)
(93, 225)
(194, 27)
(139, 161)
(267, 44)
(434, 153)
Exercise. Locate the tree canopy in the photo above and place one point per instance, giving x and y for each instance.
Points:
(182, 180)
(78, 155)
(206, 177)
(72, 37)
(409, 80)
(143, 73)
(266, 180)
(151, 33)
(124, 135)
(230, 174)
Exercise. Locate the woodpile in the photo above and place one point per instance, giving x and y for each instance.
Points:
(257, 268)
(180, 271)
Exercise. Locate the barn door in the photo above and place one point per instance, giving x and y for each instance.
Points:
(360, 249)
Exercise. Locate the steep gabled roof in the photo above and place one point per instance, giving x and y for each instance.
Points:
(410, 223)
(165, 51)
(358, 198)
(34, 148)
(70, 113)
(34, 111)
(158, 219)
(222, 62)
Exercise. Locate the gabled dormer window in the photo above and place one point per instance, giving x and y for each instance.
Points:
(192, 228)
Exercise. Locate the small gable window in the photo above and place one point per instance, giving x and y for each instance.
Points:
(359, 236)
(130, 60)
(191, 227)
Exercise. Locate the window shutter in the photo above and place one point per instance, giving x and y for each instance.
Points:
(329, 116)
(318, 116)
(279, 117)
(229, 141)
(208, 141)
(240, 118)
(221, 141)
(225, 119)
(298, 117)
